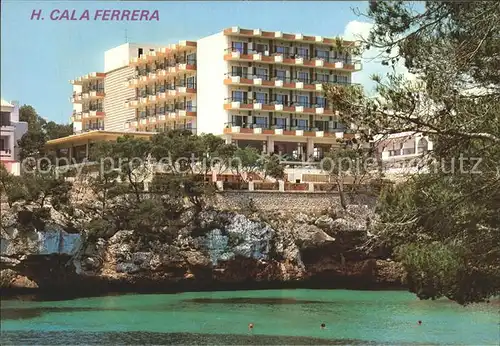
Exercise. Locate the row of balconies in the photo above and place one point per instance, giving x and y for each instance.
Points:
(175, 115)
(93, 76)
(278, 35)
(277, 82)
(79, 97)
(90, 114)
(159, 97)
(233, 54)
(278, 106)
(265, 129)
(160, 74)
(165, 64)
(172, 49)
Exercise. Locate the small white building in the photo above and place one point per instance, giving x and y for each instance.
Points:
(11, 130)
(403, 152)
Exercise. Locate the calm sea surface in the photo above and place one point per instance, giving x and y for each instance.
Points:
(290, 317)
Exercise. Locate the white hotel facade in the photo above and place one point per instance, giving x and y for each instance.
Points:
(252, 87)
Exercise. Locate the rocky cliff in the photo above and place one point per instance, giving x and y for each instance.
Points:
(214, 249)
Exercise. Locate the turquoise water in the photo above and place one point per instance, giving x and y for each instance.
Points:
(279, 316)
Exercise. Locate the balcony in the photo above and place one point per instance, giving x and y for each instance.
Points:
(164, 116)
(77, 116)
(88, 77)
(93, 94)
(277, 106)
(91, 114)
(278, 35)
(348, 65)
(132, 103)
(264, 81)
(302, 131)
(76, 98)
(157, 54)
(6, 154)
(173, 91)
(93, 127)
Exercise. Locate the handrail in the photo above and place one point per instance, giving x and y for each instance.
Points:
(266, 126)
(285, 80)
(276, 102)
(288, 55)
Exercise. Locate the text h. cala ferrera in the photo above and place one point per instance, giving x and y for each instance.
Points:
(96, 15)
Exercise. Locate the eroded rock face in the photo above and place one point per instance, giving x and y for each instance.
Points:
(223, 248)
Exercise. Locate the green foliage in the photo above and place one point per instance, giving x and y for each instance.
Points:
(444, 225)
(180, 182)
(246, 161)
(273, 168)
(32, 143)
(10, 186)
(350, 161)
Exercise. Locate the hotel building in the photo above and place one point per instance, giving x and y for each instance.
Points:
(404, 152)
(252, 87)
(11, 130)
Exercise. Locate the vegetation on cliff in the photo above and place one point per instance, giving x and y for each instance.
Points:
(445, 225)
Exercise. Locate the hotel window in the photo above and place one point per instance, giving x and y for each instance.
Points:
(321, 101)
(280, 123)
(237, 47)
(322, 77)
(282, 50)
(322, 54)
(342, 79)
(189, 106)
(260, 48)
(191, 59)
(191, 82)
(303, 77)
(260, 122)
(261, 73)
(281, 75)
(281, 99)
(238, 71)
(239, 96)
(303, 53)
(302, 124)
(261, 98)
(303, 101)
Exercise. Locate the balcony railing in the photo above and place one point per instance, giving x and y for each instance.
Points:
(266, 77)
(275, 101)
(163, 88)
(5, 153)
(97, 89)
(92, 128)
(163, 111)
(164, 65)
(266, 126)
(288, 55)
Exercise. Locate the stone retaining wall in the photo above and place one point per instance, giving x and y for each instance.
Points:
(286, 201)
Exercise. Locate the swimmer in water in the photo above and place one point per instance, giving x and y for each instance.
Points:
(419, 323)
(323, 326)
(250, 326)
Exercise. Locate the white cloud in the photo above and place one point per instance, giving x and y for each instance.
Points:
(371, 60)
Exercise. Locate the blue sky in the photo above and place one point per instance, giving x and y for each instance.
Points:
(38, 58)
